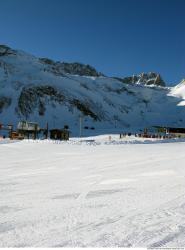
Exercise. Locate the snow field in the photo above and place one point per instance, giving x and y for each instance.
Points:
(92, 194)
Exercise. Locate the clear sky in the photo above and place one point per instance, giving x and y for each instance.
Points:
(118, 37)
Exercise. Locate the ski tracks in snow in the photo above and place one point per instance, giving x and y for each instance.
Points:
(76, 213)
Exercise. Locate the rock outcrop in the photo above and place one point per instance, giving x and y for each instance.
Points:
(150, 78)
(71, 68)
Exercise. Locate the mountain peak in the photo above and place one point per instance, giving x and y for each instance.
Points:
(150, 78)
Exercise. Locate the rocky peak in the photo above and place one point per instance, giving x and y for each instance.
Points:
(80, 69)
(71, 68)
(150, 78)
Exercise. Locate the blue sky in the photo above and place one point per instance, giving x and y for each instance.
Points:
(118, 37)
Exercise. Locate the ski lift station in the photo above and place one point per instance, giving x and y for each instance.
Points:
(28, 129)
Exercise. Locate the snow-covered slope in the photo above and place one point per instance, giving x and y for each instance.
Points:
(179, 91)
(43, 91)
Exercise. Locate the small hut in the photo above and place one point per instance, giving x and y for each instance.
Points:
(176, 132)
(16, 136)
(59, 134)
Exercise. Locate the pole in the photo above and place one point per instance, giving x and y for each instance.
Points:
(81, 126)
(47, 130)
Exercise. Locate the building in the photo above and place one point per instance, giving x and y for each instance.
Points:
(171, 131)
(6, 129)
(176, 132)
(59, 134)
(28, 130)
(160, 130)
(16, 136)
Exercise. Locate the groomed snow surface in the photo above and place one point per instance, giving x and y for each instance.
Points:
(94, 193)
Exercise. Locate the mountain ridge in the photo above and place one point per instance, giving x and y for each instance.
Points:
(42, 90)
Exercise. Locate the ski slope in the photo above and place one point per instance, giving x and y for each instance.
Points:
(93, 193)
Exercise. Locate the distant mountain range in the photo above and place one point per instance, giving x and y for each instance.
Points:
(41, 90)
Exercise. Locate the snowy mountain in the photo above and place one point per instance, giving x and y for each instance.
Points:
(41, 90)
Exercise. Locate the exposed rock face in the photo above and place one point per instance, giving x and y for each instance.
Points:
(150, 78)
(38, 97)
(71, 68)
(80, 69)
(5, 50)
(32, 97)
(4, 102)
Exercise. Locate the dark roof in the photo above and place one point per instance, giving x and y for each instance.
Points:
(59, 130)
(168, 127)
